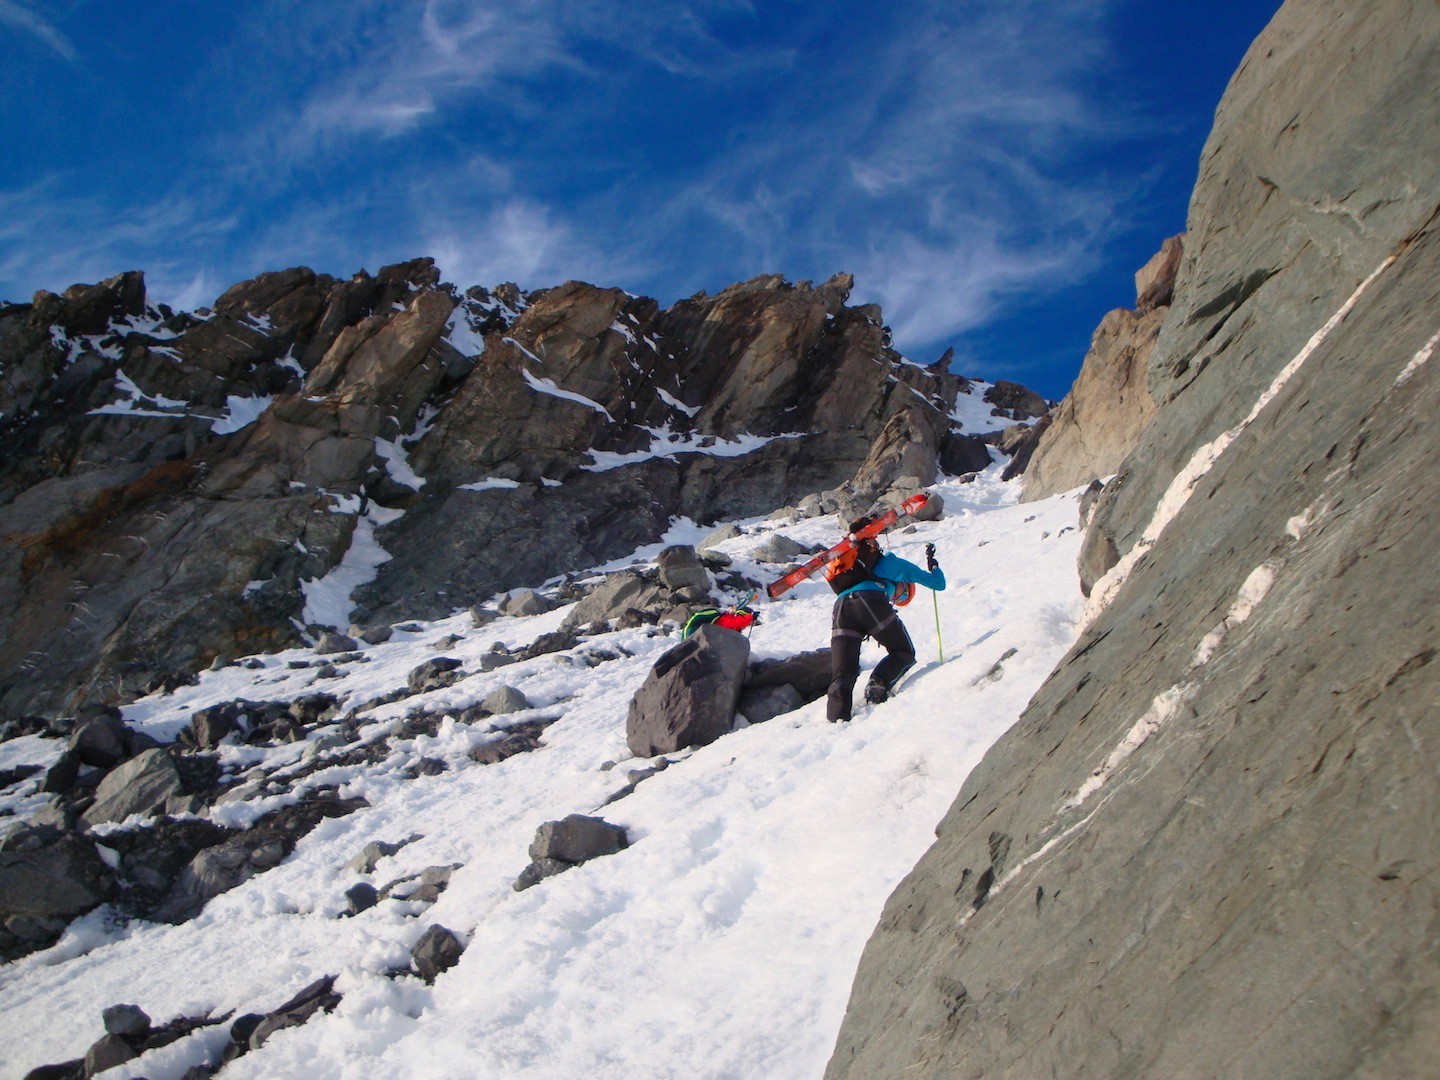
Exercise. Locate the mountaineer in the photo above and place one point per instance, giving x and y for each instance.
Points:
(870, 585)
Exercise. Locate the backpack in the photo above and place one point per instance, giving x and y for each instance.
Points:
(738, 618)
(852, 567)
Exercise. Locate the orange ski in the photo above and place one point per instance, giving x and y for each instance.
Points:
(783, 585)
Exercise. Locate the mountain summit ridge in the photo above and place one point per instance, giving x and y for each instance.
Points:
(182, 482)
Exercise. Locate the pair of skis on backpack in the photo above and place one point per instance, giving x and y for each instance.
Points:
(879, 524)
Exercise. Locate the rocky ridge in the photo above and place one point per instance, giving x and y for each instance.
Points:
(1206, 848)
(185, 487)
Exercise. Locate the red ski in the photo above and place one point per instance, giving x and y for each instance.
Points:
(875, 528)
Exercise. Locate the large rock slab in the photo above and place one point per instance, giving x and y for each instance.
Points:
(142, 785)
(63, 879)
(617, 594)
(1207, 847)
(690, 695)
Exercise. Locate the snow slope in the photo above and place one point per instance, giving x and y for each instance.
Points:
(721, 943)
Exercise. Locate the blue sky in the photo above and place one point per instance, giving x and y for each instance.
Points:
(992, 171)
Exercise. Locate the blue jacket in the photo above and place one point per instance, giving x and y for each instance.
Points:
(892, 569)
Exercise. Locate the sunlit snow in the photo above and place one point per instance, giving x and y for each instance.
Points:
(721, 943)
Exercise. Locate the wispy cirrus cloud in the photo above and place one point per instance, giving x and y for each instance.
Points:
(52, 236)
(938, 162)
(945, 153)
(22, 17)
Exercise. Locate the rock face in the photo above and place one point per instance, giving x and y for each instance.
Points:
(1101, 419)
(1207, 848)
(690, 696)
(175, 482)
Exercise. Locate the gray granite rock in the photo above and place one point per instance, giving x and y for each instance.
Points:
(1207, 846)
(130, 1021)
(522, 602)
(141, 785)
(504, 701)
(690, 695)
(437, 951)
(681, 569)
(577, 839)
(779, 549)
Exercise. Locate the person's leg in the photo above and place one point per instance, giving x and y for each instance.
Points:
(845, 641)
(899, 658)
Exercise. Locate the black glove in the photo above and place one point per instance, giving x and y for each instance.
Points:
(931, 563)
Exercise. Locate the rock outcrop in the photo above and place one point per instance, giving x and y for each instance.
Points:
(178, 486)
(1207, 847)
(1100, 421)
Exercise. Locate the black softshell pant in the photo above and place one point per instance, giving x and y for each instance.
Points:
(863, 614)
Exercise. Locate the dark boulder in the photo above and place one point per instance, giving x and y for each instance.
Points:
(317, 997)
(517, 739)
(690, 695)
(142, 785)
(680, 568)
(101, 741)
(109, 1051)
(64, 878)
(1016, 401)
(437, 951)
(131, 1021)
(765, 703)
(577, 839)
(561, 845)
(361, 896)
(777, 686)
(434, 674)
(961, 454)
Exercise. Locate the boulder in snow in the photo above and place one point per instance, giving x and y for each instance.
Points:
(617, 594)
(720, 535)
(681, 568)
(524, 602)
(331, 643)
(437, 950)
(371, 635)
(504, 701)
(689, 697)
(779, 549)
(577, 839)
(767, 702)
(374, 851)
(361, 896)
(109, 1051)
(434, 674)
(561, 845)
(808, 673)
(130, 1021)
(142, 785)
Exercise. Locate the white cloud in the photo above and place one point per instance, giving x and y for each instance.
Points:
(50, 240)
(18, 15)
(931, 291)
(520, 241)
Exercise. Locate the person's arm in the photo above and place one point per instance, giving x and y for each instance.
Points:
(894, 568)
